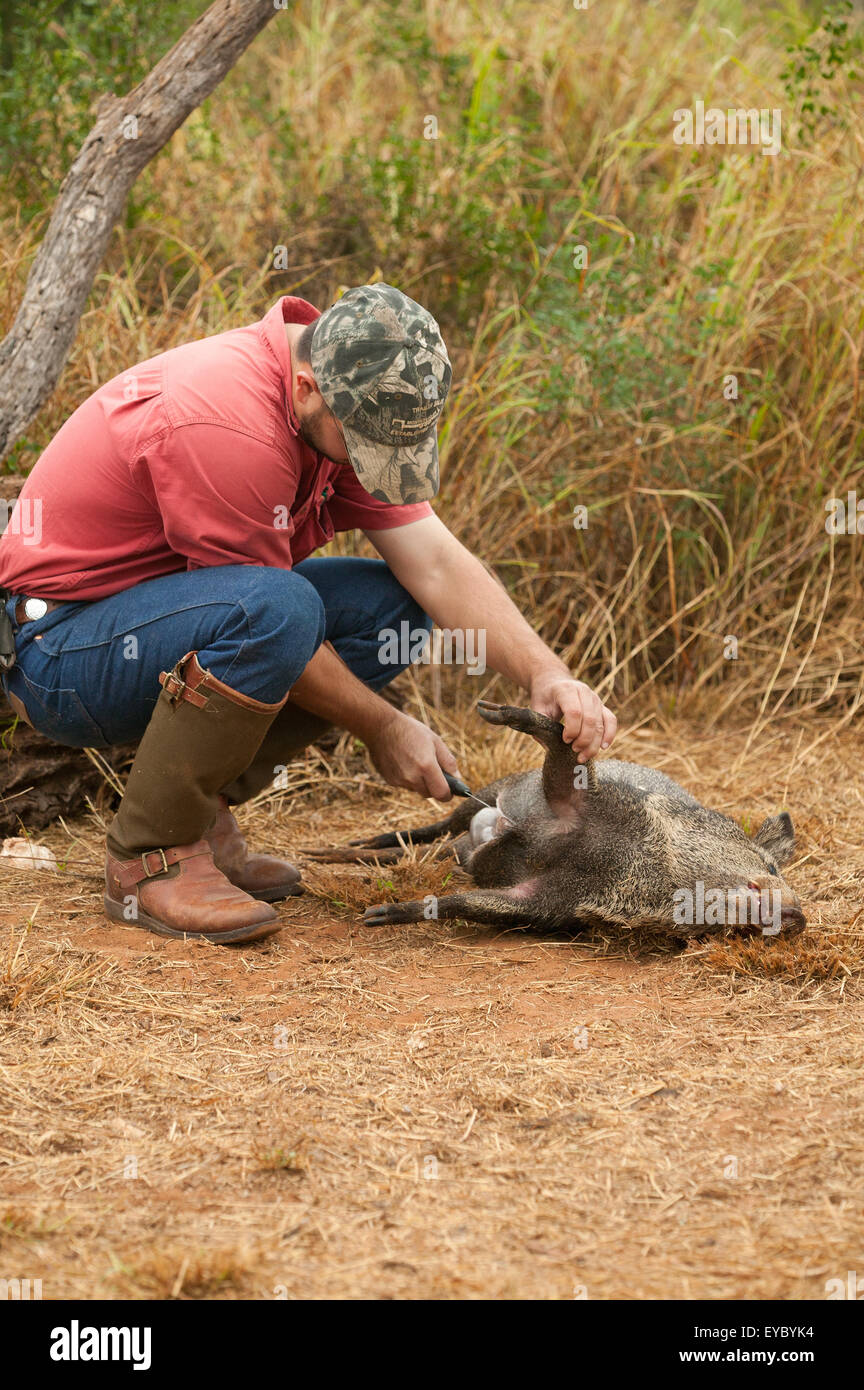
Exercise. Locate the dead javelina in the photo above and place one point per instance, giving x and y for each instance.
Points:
(611, 843)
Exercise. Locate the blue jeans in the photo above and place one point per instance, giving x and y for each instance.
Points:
(88, 673)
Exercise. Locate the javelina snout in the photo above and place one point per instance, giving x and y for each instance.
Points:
(610, 843)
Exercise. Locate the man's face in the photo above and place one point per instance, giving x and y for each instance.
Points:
(318, 426)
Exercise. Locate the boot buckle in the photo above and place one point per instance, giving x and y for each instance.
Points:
(178, 689)
(163, 868)
(173, 685)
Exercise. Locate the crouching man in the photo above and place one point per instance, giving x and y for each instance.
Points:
(178, 511)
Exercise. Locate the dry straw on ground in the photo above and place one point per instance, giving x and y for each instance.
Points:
(440, 1110)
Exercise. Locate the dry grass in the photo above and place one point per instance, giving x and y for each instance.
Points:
(286, 1107)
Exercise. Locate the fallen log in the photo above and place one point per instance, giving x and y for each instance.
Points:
(40, 780)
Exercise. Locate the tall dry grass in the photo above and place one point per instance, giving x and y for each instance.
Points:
(600, 387)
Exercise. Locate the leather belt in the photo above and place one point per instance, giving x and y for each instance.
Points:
(21, 616)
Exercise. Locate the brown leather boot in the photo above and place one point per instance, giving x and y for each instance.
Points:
(140, 893)
(160, 872)
(262, 876)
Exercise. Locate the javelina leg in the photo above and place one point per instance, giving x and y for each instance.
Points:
(505, 907)
(458, 820)
(564, 778)
(387, 849)
(345, 854)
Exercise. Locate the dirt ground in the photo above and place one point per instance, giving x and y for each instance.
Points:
(442, 1111)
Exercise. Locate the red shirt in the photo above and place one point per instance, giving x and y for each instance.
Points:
(190, 459)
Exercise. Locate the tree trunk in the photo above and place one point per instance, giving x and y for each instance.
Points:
(128, 132)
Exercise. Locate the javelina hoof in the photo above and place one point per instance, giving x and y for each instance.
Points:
(383, 914)
(525, 721)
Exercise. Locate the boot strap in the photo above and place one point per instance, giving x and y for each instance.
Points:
(188, 681)
(181, 684)
(154, 862)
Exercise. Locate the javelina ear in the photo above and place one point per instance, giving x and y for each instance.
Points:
(777, 835)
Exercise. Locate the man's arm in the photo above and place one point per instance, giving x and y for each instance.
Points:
(405, 752)
(455, 589)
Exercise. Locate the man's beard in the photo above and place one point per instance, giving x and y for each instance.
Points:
(311, 431)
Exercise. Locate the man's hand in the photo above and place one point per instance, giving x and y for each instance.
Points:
(452, 586)
(588, 724)
(407, 754)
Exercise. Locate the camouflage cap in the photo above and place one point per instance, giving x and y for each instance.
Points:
(382, 368)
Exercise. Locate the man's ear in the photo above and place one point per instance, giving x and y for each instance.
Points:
(305, 386)
(777, 835)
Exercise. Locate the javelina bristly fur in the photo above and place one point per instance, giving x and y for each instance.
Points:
(610, 843)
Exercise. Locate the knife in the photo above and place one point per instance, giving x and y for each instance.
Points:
(459, 788)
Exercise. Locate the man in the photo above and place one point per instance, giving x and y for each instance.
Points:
(164, 538)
